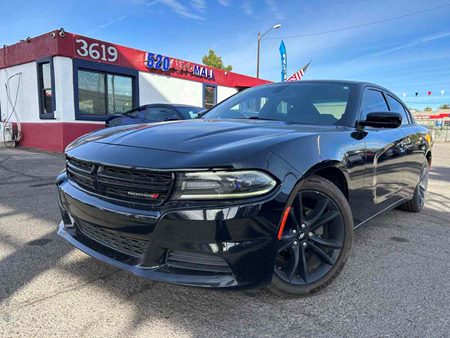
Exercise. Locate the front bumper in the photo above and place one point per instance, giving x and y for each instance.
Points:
(221, 246)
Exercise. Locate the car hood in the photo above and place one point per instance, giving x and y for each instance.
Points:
(200, 136)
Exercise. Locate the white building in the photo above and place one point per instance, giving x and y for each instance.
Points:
(61, 85)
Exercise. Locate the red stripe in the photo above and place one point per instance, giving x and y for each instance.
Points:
(283, 222)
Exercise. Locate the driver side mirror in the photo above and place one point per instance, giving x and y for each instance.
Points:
(382, 120)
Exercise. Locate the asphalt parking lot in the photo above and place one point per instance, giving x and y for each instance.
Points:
(396, 281)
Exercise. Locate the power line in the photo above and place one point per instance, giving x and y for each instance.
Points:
(360, 25)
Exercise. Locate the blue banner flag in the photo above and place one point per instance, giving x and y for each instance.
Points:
(283, 55)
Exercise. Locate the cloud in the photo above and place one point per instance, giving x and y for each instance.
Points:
(247, 7)
(273, 8)
(200, 5)
(182, 10)
(109, 23)
(423, 40)
(225, 3)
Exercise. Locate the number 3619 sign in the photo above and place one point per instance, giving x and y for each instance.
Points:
(96, 50)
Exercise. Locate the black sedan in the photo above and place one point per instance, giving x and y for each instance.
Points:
(264, 190)
(155, 112)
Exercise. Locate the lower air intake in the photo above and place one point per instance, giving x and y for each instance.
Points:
(197, 262)
(122, 243)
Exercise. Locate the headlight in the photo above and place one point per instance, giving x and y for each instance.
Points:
(222, 185)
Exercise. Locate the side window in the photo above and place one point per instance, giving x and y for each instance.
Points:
(161, 114)
(141, 114)
(397, 107)
(372, 101)
(46, 92)
(135, 112)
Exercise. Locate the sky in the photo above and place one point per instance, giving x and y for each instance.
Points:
(407, 54)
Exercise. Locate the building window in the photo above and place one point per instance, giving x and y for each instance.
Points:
(101, 94)
(46, 89)
(101, 90)
(209, 96)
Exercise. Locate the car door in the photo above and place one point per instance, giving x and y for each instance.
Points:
(384, 154)
(414, 143)
(161, 113)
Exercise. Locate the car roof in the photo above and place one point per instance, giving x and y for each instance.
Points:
(360, 84)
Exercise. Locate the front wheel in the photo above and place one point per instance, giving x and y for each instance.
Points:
(315, 242)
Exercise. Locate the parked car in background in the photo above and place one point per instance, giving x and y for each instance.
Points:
(265, 189)
(156, 112)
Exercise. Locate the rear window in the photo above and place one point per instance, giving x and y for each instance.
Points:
(397, 107)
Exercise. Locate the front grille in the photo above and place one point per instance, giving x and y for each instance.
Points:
(129, 185)
(123, 243)
(197, 262)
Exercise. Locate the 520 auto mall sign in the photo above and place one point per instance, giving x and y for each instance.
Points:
(165, 64)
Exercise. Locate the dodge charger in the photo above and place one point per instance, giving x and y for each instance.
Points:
(265, 189)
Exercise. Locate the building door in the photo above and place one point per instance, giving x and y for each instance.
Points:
(209, 96)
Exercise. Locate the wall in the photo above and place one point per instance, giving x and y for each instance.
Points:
(154, 88)
(225, 92)
(65, 109)
(53, 134)
(27, 105)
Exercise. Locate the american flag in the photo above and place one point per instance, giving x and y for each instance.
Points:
(297, 76)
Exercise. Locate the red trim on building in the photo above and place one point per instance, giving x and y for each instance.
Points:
(52, 44)
(54, 136)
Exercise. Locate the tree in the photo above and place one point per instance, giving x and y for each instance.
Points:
(213, 60)
(428, 109)
(444, 106)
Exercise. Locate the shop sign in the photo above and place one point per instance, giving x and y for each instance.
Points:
(164, 63)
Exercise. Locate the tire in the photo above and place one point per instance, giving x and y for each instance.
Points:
(418, 201)
(337, 234)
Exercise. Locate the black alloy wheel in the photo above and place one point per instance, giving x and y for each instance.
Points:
(417, 202)
(316, 238)
(423, 184)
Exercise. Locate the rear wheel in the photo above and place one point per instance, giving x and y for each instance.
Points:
(315, 242)
(418, 201)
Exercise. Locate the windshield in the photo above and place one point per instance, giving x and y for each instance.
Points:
(309, 103)
(189, 112)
